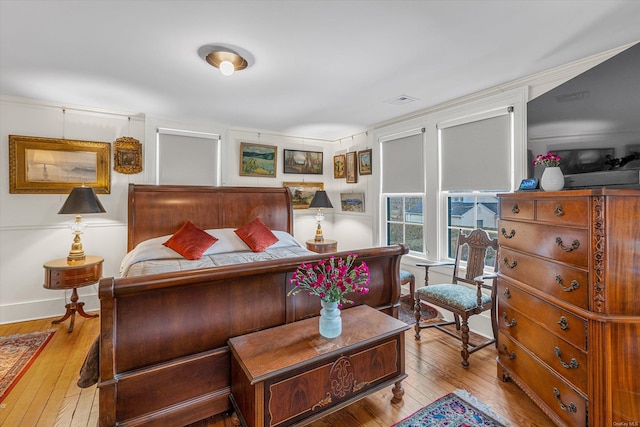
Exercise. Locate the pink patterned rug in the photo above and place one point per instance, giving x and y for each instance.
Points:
(457, 409)
(17, 353)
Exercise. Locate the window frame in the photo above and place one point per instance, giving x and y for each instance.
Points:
(385, 219)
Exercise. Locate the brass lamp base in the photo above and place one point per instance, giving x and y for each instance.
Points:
(319, 237)
(76, 254)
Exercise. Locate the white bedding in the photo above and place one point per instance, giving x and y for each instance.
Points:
(152, 257)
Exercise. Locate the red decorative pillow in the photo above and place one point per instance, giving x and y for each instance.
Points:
(190, 241)
(257, 235)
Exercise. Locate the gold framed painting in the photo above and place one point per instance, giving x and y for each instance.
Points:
(50, 165)
(127, 155)
(302, 192)
(338, 166)
(351, 168)
(258, 160)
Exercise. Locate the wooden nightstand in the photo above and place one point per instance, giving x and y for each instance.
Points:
(59, 275)
(323, 247)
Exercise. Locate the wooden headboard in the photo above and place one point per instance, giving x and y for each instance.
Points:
(153, 212)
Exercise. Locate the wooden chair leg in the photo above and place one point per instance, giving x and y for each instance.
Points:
(417, 314)
(465, 342)
(457, 319)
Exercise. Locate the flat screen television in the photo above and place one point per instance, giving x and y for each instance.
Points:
(593, 123)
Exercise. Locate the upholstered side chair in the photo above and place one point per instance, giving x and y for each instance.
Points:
(464, 296)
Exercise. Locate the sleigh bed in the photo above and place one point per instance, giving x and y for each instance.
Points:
(163, 354)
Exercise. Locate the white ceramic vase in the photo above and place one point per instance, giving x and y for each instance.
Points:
(330, 323)
(552, 179)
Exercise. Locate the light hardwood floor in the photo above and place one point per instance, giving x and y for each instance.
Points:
(47, 395)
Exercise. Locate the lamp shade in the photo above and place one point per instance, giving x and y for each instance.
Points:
(82, 200)
(320, 200)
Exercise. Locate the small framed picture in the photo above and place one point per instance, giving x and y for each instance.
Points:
(364, 162)
(302, 192)
(351, 168)
(258, 160)
(127, 155)
(352, 202)
(339, 166)
(298, 161)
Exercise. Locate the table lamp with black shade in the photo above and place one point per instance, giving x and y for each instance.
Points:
(81, 200)
(320, 201)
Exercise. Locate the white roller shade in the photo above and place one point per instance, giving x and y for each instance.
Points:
(476, 155)
(403, 164)
(187, 158)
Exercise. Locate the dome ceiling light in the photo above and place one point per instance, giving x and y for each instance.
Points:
(226, 61)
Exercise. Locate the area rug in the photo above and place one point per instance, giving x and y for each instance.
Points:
(457, 409)
(406, 311)
(17, 353)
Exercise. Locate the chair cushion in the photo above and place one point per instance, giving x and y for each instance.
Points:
(458, 296)
(406, 275)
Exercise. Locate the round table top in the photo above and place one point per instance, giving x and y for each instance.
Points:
(62, 262)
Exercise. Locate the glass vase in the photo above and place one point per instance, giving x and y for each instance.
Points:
(330, 323)
(552, 179)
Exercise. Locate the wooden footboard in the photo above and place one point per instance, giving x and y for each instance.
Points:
(164, 358)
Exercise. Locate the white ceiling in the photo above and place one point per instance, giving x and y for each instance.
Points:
(320, 69)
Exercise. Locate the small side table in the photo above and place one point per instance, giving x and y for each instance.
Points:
(323, 247)
(59, 275)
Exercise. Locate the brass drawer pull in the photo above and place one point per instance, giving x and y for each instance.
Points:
(571, 408)
(575, 245)
(564, 323)
(512, 265)
(515, 210)
(510, 235)
(574, 284)
(571, 365)
(558, 210)
(507, 293)
(506, 353)
(506, 321)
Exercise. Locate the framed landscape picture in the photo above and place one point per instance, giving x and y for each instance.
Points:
(352, 202)
(338, 166)
(364, 161)
(351, 168)
(303, 192)
(49, 165)
(298, 161)
(258, 160)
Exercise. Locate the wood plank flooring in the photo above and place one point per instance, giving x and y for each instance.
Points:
(47, 395)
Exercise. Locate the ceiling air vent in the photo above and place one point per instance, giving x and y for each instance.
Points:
(401, 100)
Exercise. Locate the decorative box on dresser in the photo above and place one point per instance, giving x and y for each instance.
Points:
(569, 303)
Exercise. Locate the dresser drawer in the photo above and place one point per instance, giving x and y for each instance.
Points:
(559, 280)
(569, 405)
(513, 301)
(571, 211)
(517, 209)
(569, 245)
(568, 361)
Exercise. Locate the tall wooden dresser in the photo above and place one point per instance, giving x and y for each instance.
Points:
(569, 303)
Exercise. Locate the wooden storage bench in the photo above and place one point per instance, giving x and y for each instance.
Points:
(291, 375)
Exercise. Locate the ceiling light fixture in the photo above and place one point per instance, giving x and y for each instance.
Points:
(226, 61)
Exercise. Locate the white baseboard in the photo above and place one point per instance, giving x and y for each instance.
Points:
(33, 310)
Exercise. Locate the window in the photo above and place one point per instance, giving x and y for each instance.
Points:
(199, 151)
(403, 183)
(405, 221)
(468, 211)
(475, 164)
